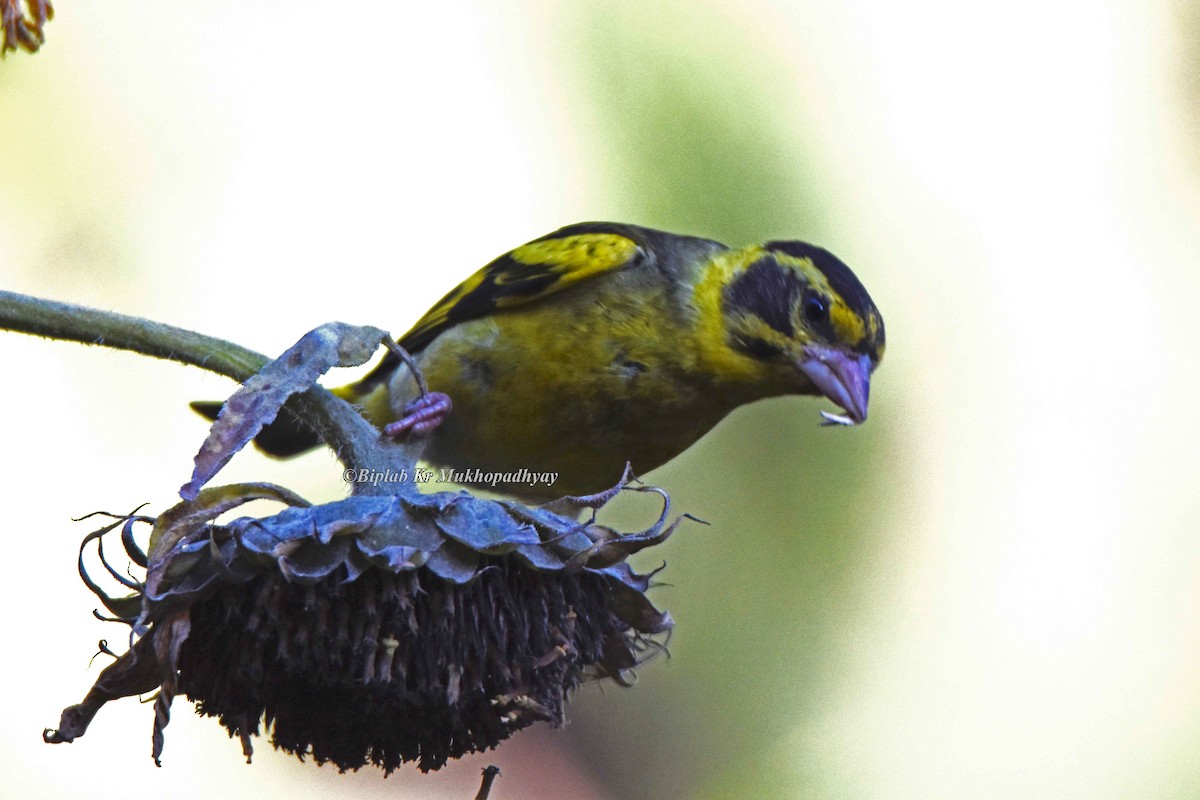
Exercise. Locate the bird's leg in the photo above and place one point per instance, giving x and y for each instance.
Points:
(421, 416)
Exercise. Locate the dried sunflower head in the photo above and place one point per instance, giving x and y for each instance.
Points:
(375, 629)
(382, 629)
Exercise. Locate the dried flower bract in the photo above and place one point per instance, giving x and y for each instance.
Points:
(23, 21)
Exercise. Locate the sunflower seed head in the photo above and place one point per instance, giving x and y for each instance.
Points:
(376, 629)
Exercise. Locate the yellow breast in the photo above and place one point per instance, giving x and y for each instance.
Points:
(578, 386)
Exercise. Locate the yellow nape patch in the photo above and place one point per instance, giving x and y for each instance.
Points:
(712, 332)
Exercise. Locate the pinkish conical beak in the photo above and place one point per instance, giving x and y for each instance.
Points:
(843, 377)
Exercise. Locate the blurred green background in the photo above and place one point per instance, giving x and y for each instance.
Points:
(988, 591)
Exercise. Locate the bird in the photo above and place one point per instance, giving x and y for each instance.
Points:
(605, 344)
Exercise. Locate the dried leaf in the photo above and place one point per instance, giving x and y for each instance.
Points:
(258, 401)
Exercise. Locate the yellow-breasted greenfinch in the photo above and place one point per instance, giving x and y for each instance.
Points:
(606, 343)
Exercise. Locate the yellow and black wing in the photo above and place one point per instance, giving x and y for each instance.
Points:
(528, 274)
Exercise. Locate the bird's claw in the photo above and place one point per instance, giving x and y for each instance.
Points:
(421, 416)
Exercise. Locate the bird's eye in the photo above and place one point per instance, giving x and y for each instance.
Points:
(816, 310)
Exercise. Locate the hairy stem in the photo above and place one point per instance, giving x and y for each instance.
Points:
(353, 439)
(57, 320)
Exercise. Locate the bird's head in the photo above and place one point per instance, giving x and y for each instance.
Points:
(803, 317)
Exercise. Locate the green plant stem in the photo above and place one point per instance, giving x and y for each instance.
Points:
(355, 441)
(56, 320)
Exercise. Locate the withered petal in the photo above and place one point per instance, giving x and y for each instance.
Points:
(485, 527)
(454, 562)
(314, 561)
(540, 558)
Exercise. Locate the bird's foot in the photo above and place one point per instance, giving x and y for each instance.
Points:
(421, 416)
